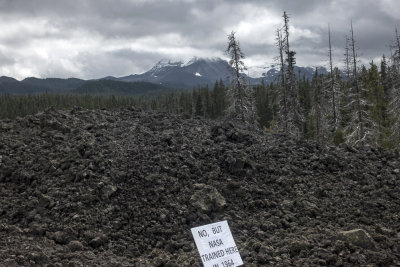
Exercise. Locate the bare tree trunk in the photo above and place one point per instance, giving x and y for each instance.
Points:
(355, 77)
(283, 80)
(335, 120)
(239, 86)
(317, 104)
(397, 55)
(291, 81)
(347, 58)
(288, 52)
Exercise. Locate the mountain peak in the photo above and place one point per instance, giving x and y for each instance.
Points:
(4, 79)
(164, 64)
(168, 63)
(204, 59)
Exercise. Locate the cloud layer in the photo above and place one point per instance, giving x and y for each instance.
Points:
(96, 38)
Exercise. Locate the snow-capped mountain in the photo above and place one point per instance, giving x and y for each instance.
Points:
(205, 71)
(163, 66)
(261, 71)
(271, 73)
(179, 74)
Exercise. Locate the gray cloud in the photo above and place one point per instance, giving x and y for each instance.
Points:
(95, 38)
(6, 60)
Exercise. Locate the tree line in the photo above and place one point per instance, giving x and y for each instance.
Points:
(12, 106)
(379, 102)
(360, 105)
(202, 102)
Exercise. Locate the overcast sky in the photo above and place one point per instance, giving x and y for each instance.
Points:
(96, 38)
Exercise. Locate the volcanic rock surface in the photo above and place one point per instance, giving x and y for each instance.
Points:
(123, 188)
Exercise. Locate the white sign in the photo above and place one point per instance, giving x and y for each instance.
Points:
(216, 245)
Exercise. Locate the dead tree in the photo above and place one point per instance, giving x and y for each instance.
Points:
(332, 85)
(361, 128)
(347, 56)
(282, 123)
(356, 85)
(394, 103)
(294, 120)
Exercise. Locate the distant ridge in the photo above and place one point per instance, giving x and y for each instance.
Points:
(33, 85)
(163, 76)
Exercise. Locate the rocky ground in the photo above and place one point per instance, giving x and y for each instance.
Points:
(123, 188)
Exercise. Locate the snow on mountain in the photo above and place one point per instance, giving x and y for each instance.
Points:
(190, 62)
(261, 71)
(206, 59)
(205, 71)
(164, 64)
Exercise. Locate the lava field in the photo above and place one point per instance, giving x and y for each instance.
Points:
(123, 188)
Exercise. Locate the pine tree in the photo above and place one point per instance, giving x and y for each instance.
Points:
(264, 104)
(219, 99)
(289, 117)
(282, 118)
(214, 101)
(240, 93)
(295, 120)
(385, 78)
(199, 110)
(205, 95)
(378, 105)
